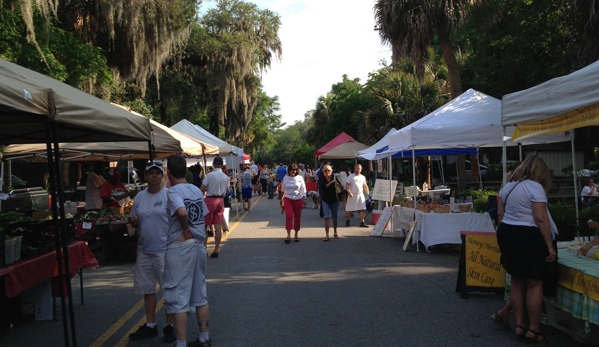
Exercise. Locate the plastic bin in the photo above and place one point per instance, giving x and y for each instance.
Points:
(18, 241)
(376, 214)
(9, 251)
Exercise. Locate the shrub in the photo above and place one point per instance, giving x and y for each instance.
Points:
(584, 215)
(564, 217)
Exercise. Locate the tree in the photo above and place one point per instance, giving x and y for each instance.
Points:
(136, 36)
(240, 42)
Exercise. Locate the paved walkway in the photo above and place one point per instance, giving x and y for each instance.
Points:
(354, 291)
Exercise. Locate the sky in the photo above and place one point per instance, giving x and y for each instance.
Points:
(322, 40)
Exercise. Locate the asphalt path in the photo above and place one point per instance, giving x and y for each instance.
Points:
(353, 291)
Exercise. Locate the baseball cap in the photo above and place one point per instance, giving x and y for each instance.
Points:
(155, 164)
(217, 161)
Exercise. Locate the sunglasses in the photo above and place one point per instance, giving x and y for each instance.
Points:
(326, 170)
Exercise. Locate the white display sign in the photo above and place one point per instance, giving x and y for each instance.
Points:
(384, 190)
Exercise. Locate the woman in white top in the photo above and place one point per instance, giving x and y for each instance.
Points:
(525, 240)
(293, 199)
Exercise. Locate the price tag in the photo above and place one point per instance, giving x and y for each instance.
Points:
(87, 225)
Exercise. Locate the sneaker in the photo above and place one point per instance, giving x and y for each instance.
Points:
(169, 333)
(363, 225)
(197, 343)
(144, 332)
(347, 223)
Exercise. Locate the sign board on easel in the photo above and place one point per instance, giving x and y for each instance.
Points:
(480, 269)
(384, 190)
(379, 228)
(409, 235)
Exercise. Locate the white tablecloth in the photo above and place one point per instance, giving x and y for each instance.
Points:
(442, 228)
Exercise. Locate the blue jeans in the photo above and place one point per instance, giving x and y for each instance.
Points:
(330, 210)
(271, 190)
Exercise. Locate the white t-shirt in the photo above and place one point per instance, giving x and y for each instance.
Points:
(216, 183)
(356, 183)
(94, 182)
(150, 210)
(294, 187)
(189, 196)
(518, 207)
(586, 190)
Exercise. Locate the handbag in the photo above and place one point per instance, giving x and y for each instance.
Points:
(338, 188)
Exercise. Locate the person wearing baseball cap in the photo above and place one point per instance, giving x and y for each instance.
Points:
(149, 214)
(111, 186)
(215, 187)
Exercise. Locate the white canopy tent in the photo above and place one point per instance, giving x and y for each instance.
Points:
(558, 105)
(471, 120)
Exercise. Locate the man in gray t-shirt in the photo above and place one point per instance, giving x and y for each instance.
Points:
(186, 256)
(149, 215)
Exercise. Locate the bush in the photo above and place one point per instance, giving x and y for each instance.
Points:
(564, 217)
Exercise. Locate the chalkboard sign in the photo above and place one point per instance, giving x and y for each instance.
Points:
(384, 190)
(379, 228)
(480, 269)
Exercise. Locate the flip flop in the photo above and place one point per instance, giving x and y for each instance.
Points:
(325, 240)
(335, 236)
(287, 241)
(537, 339)
(504, 323)
(295, 240)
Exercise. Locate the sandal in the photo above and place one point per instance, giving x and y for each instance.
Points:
(503, 322)
(296, 240)
(325, 240)
(287, 240)
(537, 340)
(335, 236)
(520, 336)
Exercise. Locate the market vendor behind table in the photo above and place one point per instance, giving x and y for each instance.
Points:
(110, 187)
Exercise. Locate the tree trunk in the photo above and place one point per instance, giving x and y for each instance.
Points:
(455, 88)
(455, 80)
(474, 169)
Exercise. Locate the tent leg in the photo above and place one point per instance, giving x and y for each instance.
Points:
(575, 185)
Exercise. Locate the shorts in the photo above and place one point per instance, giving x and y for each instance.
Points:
(216, 207)
(246, 193)
(185, 276)
(149, 270)
(330, 210)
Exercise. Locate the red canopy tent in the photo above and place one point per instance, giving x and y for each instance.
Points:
(338, 140)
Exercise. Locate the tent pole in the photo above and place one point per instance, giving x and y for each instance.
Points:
(441, 169)
(390, 176)
(504, 158)
(480, 175)
(1, 180)
(575, 184)
(414, 189)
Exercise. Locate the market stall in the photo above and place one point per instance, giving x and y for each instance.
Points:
(434, 228)
(35, 108)
(557, 106)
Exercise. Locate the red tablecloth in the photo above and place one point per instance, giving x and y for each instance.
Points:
(25, 274)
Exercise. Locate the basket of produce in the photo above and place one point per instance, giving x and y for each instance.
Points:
(424, 208)
(441, 209)
(465, 207)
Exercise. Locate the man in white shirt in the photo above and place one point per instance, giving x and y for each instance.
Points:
(215, 187)
(588, 192)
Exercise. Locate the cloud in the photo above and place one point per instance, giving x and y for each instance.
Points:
(322, 40)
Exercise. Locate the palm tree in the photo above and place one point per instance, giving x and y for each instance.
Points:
(411, 26)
